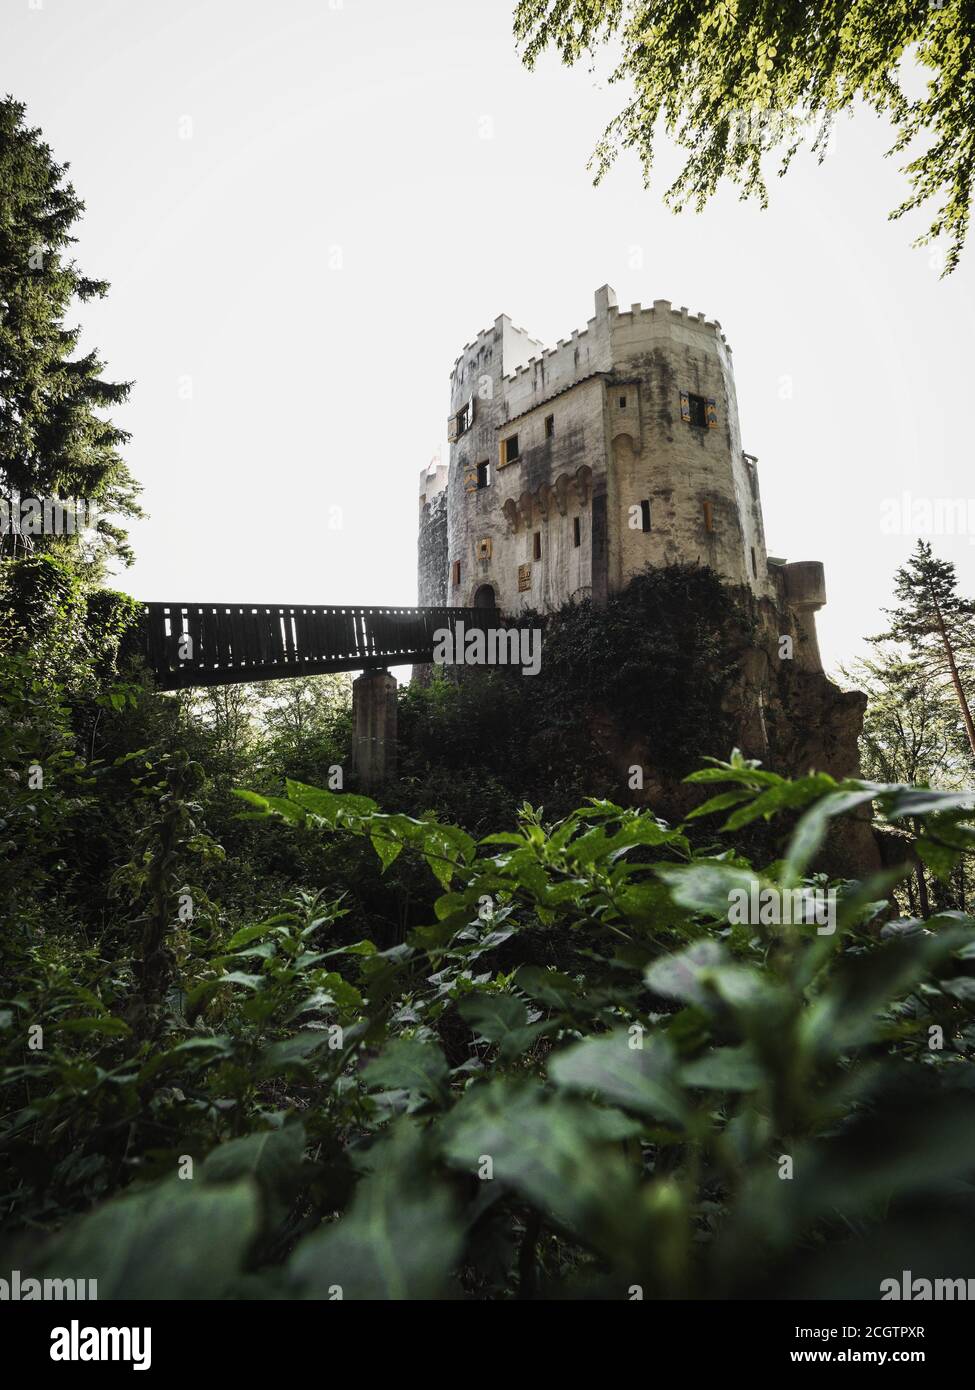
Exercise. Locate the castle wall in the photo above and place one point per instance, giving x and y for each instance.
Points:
(639, 406)
(704, 504)
(432, 553)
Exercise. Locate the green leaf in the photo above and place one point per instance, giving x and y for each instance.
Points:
(410, 1065)
(399, 1240)
(110, 1027)
(724, 1069)
(785, 796)
(292, 1053)
(387, 849)
(273, 1159)
(177, 1239)
(706, 886)
(559, 1153)
(721, 802)
(239, 977)
(636, 1078)
(502, 1018)
(682, 976)
(494, 1015)
(246, 935)
(329, 806)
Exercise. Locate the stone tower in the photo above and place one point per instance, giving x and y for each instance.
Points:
(573, 468)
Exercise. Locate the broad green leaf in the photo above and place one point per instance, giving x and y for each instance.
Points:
(273, 1158)
(503, 1019)
(410, 1065)
(293, 1052)
(175, 1240)
(105, 1024)
(683, 975)
(708, 887)
(399, 1239)
(248, 934)
(724, 1069)
(640, 1078)
(561, 1154)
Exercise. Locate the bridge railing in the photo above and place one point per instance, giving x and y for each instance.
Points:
(218, 643)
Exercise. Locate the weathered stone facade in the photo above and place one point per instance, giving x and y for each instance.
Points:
(573, 468)
(432, 543)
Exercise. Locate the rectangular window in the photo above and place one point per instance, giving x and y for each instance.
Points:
(697, 411)
(484, 474)
(537, 545)
(754, 565)
(549, 426)
(708, 516)
(576, 531)
(645, 513)
(509, 449)
(456, 573)
(622, 402)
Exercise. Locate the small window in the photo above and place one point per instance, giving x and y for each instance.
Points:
(754, 564)
(456, 573)
(509, 449)
(549, 426)
(576, 531)
(697, 408)
(484, 550)
(484, 474)
(645, 513)
(537, 545)
(622, 402)
(461, 422)
(708, 516)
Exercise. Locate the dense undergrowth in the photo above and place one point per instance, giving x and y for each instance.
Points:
(312, 1048)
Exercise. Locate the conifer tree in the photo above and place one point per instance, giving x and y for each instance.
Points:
(935, 622)
(54, 438)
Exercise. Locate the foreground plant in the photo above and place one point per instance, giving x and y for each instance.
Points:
(578, 1079)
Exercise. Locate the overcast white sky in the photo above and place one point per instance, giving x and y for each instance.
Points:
(272, 387)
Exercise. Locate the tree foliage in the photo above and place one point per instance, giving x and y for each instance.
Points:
(937, 624)
(55, 438)
(731, 81)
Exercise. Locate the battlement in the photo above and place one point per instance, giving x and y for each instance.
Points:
(607, 310)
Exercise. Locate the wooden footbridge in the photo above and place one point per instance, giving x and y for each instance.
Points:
(207, 644)
(199, 644)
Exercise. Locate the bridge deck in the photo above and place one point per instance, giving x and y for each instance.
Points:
(190, 644)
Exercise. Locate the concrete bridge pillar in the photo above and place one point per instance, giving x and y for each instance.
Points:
(373, 728)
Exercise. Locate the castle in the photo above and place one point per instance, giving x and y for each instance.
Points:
(573, 468)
